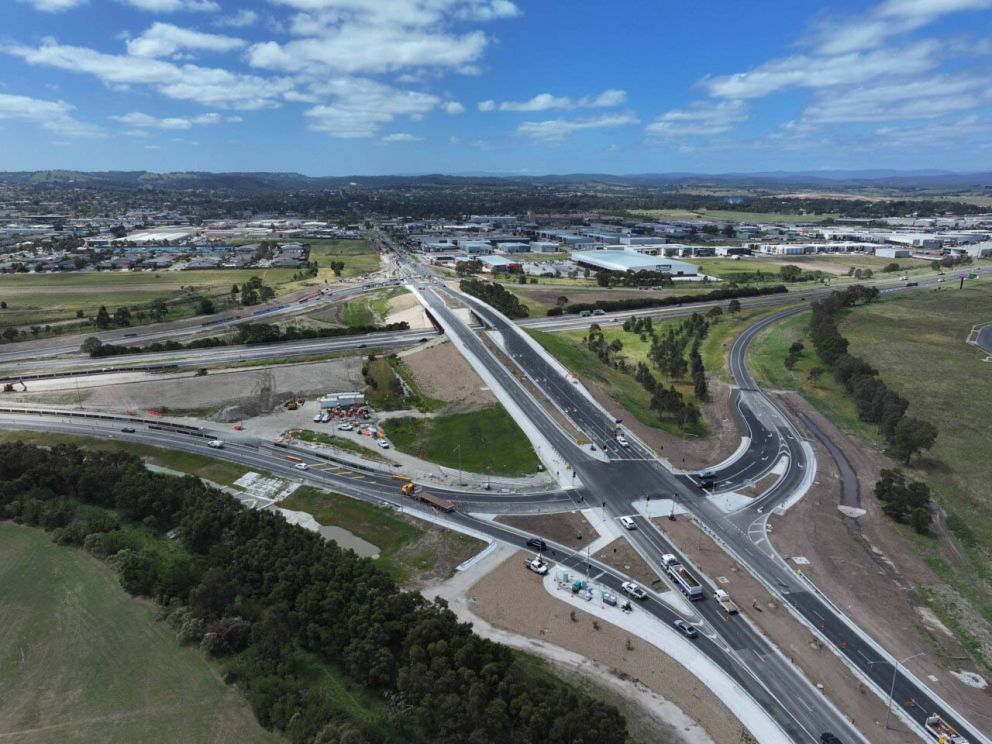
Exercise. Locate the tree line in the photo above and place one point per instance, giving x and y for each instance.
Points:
(640, 303)
(248, 333)
(875, 402)
(275, 601)
(496, 295)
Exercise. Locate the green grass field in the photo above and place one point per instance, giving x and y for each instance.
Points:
(359, 257)
(408, 548)
(731, 215)
(37, 299)
(321, 437)
(371, 309)
(85, 662)
(489, 439)
(623, 388)
(767, 360)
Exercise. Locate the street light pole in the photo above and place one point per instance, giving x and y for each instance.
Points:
(892, 689)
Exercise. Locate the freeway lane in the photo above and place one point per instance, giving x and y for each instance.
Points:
(227, 354)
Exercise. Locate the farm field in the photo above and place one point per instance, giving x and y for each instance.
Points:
(85, 662)
(359, 257)
(39, 299)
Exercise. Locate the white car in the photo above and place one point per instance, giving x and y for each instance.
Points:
(301, 466)
(325, 417)
(382, 443)
(633, 590)
(622, 441)
(628, 523)
(216, 443)
(345, 427)
(537, 566)
(317, 417)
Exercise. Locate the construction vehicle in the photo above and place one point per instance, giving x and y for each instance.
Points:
(725, 601)
(684, 580)
(942, 731)
(8, 387)
(420, 494)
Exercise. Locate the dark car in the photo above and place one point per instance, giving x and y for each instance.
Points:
(128, 430)
(685, 629)
(537, 543)
(827, 738)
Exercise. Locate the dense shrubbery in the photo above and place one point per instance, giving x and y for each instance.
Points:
(905, 500)
(875, 402)
(639, 303)
(245, 582)
(248, 333)
(497, 296)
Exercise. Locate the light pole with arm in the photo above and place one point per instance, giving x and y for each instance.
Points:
(892, 689)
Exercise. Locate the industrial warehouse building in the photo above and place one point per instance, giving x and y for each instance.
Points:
(629, 261)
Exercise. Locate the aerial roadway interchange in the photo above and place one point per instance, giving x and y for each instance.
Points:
(617, 477)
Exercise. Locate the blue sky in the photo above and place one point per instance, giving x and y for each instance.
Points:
(334, 87)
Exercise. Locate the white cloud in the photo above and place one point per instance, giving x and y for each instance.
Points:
(205, 85)
(360, 106)
(173, 6)
(401, 137)
(453, 108)
(931, 135)
(809, 71)
(54, 6)
(923, 98)
(547, 102)
(164, 40)
(699, 119)
(370, 49)
(377, 36)
(241, 19)
(555, 130)
(55, 116)
(140, 121)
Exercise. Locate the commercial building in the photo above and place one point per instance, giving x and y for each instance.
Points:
(976, 250)
(886, 252)
(630, 261)
(544, 246)
(498, 264)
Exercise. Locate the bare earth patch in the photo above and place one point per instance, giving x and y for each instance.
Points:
(620, 554)
(443, 374)
(515, 600)
(563, 528)
(690, 453)
(872, 572)
(254, 390)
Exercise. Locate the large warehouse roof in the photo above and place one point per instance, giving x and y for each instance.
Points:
(629, 261)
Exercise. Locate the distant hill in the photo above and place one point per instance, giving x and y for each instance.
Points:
(261, 181)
